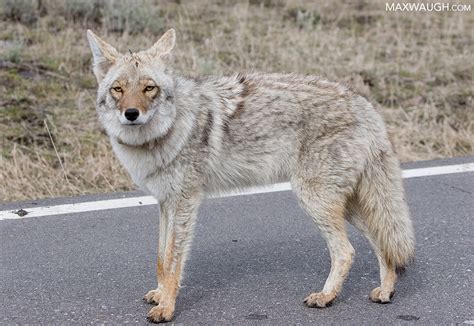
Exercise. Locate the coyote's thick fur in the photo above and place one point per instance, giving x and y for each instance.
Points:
(180, 138)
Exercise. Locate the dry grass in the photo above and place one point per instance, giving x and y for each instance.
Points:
(417, 67)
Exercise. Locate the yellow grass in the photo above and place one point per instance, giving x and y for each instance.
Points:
(416, 67)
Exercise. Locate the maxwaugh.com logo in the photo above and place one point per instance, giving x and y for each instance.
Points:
(426, 7)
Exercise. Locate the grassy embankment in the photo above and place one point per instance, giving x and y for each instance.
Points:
(417, 67)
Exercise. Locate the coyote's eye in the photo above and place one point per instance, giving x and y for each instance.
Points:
(117, 89)
(149, 88)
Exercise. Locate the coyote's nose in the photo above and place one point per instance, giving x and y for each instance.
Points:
(132, 114)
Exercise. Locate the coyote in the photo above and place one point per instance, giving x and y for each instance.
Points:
(181, 138)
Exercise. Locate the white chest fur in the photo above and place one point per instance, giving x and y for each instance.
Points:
(147, 169)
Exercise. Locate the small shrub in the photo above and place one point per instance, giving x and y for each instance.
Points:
(23, 11)
(133, 17)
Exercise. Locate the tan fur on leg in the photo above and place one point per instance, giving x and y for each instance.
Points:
(169, 265)
(388, 275)
(330, 220)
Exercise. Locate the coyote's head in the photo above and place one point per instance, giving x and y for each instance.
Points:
(135, 100)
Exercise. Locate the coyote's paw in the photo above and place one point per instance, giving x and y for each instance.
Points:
(380, 296)
(152, 296)
(160, 314)
(320, 299)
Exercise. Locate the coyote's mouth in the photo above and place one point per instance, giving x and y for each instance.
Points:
(133, 124)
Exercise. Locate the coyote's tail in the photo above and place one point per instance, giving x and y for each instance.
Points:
(385, 212)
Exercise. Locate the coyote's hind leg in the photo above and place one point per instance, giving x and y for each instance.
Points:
(379, 211)
(327, 210)
(388, 275)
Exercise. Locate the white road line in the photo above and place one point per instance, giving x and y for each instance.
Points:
(149, 200)
(438, 170)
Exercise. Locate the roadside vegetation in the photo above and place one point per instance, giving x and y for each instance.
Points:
(417, 68)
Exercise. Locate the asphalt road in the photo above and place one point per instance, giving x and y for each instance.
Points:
(254, 259)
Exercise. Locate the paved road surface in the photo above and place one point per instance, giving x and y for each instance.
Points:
(254, 260)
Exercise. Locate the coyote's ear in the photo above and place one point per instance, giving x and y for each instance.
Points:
(103, 53)
(163, 47)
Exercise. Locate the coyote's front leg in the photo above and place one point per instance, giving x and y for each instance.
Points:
(176, 225)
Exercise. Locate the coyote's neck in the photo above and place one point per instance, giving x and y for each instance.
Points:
(147, 145)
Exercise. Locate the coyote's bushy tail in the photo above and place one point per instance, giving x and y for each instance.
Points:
(384, 210)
